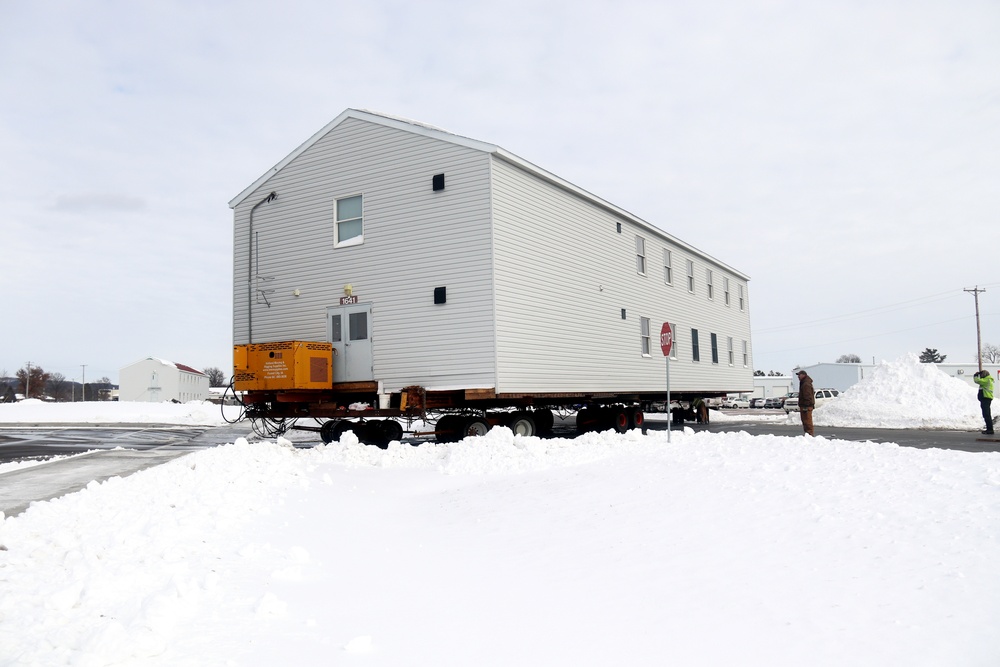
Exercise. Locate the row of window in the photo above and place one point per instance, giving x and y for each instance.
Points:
(668, 274)
(646, 345)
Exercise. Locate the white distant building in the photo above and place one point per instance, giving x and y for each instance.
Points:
(843, 376)
(153, 380)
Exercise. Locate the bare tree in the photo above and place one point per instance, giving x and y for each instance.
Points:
(991, 353)
(848, 359)
(216, 378)
(57, 387)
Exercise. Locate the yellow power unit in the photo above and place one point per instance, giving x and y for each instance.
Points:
(281, 366)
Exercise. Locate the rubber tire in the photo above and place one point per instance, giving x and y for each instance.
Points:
(327, 430)
(523, 424)
(636, 419)
(617, 419)
(544, 420)
(475, 427)
(449, 428)
(390, 430)
(587, 419)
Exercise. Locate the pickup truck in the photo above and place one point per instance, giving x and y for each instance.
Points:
(822, 396)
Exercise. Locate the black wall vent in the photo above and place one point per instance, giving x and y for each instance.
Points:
(440, 295)
(437, 182)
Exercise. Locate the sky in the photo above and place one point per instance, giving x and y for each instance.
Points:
(845, 156)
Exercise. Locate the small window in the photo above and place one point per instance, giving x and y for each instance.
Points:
(732, 355)
(715, 348)
(746, 355)
(741, 296)
(690, 265)
(644, 335)
(708, 282)
(668, 272)
(695, 353)
(725, 290)
(357, 325)
(640, 255)
(349, 222)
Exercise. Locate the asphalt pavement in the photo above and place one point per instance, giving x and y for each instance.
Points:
(83, 454)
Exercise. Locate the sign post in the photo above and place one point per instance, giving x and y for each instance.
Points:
(667, 342)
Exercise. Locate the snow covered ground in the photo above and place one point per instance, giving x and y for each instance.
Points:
(712, 549)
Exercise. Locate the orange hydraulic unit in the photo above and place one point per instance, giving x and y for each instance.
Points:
(282, 366)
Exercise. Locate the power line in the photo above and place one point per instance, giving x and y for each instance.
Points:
(941, 296)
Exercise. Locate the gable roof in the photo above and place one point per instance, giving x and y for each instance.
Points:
(164, 362)
(430, 131)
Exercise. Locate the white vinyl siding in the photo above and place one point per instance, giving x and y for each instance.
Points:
(415, 239)
(537, 273)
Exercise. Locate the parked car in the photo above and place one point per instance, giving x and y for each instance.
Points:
(757, 402)
(822, 396)
(734, 403)
(773, 403)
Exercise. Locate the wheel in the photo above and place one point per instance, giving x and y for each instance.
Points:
(369, 433)
(544, 419)
(327, 430)
(522, 423)
(448, 428)
(587, 419)
(616, 418)
(390, 430)
(334, 429)
(475, 427)
(635, 418)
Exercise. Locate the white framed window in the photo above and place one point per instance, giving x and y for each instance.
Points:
(746, 355)
(690, 265)
(708, 283)
(644, 336)
(640, 255)
(725, 290)
(741, 296)
(695, 352)
(668, 272)
(715, 348)
(349, 222)
(732, 355)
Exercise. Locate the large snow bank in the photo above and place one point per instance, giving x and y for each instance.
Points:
(193, 413)
(713, 549)
(904, 394)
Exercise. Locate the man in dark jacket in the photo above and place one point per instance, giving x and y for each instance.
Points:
(807, 401)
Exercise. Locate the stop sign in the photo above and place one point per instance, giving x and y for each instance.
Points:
(666, 338)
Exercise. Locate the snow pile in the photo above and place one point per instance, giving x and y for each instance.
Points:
(715, 548)
(193, 413)
(905, 394)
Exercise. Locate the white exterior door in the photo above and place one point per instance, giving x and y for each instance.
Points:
(350, 331)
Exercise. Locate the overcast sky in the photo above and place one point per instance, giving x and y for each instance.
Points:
(845, 155)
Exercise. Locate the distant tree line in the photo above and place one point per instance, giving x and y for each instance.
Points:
(34, 382)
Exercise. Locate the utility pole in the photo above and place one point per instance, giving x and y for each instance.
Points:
(83, 387)
(979, 339)
(27, 382)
